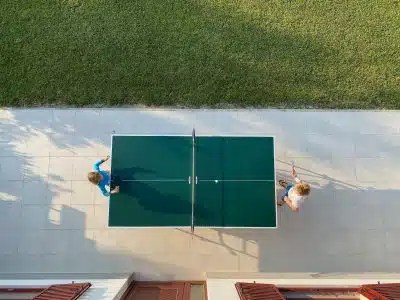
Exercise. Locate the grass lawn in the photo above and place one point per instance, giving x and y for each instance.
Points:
(216, 53)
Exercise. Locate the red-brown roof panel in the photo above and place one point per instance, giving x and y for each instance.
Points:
(386, 291)
(258, 291)
(155, 291)
(63, 291)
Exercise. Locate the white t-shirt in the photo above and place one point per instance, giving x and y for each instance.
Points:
(297, 200)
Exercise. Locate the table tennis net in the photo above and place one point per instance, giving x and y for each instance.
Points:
(193, 183)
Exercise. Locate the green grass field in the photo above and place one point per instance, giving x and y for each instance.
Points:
(216, 53)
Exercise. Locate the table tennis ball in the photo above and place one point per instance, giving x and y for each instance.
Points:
(216, 181)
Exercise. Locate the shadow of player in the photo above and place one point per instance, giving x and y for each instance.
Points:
(128, 174)
(156, 199)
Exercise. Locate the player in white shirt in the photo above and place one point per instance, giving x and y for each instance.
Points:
(294, 195)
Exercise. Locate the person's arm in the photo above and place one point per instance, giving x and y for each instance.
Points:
(290, 204)
(294, 173)
(98, 164)
(104, 190)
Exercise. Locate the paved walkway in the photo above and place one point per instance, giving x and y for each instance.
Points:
(53, 220)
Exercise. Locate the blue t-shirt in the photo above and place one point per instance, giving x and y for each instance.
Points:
(106, 178)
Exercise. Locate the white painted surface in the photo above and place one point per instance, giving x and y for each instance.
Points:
(53, 220)
(225, 288)
(101, 289)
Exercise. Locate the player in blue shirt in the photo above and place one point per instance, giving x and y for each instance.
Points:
(102, 178)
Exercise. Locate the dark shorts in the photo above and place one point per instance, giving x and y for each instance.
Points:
(286, 194)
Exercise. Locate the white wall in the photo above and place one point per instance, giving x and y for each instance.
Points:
(101, 289)
(218, 287)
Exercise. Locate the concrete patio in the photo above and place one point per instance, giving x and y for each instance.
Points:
(53, 220)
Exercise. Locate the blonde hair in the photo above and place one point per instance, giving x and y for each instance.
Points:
(94, 177)
(302, 188)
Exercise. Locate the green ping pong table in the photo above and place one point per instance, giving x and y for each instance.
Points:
(193, 181)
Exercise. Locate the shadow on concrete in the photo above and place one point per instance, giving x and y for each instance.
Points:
(56, 245)
(345, 226)
(341, 228)
(38, 236)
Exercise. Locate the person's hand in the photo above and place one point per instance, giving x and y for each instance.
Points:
(115, 190)
(107, 158)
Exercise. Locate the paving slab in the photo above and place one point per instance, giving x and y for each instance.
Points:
(12, 168)
(35, 192)
(53, 220)
(59, 191)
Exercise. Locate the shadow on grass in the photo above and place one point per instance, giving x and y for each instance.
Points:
(162, 53)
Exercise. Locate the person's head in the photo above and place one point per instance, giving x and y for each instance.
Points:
(94, 177)
(303, 189)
